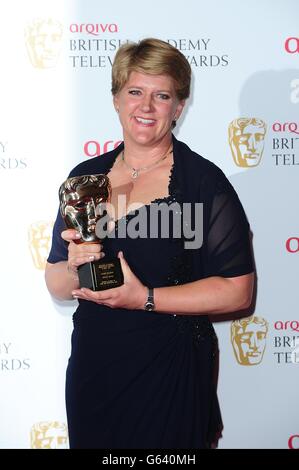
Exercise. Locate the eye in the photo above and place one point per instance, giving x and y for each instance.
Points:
(80, 205)
(261, 335)
(163, 96)
(135, 92)
(245, 337)
(259, 137)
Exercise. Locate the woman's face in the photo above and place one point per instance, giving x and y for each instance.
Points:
(147, 105)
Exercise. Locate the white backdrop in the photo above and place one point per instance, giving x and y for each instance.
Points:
(56, 110)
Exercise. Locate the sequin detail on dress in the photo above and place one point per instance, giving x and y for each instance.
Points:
(180, 273)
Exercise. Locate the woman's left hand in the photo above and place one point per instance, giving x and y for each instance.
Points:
(131, 295)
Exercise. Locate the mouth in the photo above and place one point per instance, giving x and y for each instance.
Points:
(48, 56)
(251, 156)
(144, 122)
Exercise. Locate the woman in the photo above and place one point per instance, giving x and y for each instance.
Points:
(140, 373)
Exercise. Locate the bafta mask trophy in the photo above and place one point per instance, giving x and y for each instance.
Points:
(80, 206)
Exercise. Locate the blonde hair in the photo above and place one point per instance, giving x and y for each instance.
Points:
(155, 57)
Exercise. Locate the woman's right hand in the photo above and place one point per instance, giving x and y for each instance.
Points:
(80, 253)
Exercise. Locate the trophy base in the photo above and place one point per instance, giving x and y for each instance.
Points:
(101, 275)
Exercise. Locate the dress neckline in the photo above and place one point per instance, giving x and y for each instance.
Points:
(157, 200)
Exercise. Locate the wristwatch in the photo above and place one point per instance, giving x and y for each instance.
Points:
(149, 304)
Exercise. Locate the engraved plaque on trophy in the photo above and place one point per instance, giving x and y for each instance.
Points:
(80, 200)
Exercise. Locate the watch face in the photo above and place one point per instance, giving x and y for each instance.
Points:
(149, 306)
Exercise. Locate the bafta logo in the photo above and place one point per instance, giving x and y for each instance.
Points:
(43, 42)
(248, 337)
(49, 435)
(39, 238)
(246, 140)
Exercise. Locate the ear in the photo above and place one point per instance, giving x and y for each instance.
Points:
(115, 102)
(179, 109)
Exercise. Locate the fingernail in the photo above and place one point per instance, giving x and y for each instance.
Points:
(91, 258)
(103, 254)
(77, 235)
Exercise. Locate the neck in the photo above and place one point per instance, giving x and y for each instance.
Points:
(143, 155)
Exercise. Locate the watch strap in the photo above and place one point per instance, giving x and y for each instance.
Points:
(149, 304)
(150, 297)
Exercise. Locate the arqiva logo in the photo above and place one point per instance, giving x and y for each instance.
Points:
(292, 245)
(93, 148)
(291, 45)
(285, 325)
(293, 442)
(292, 127)
(94, 28)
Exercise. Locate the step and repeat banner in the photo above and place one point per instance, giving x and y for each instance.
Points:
(56, 110)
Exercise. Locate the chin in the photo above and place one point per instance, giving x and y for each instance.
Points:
(145, 139)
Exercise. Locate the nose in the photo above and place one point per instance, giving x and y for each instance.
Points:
(252, 143)
(48, 42)
(146, 103)
(254, 343)
(91, 209)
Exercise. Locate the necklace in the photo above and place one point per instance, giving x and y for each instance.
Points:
(136, 171)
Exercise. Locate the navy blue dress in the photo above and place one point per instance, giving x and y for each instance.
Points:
(138, 379)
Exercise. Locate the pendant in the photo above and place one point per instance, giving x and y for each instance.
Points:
(135, 174)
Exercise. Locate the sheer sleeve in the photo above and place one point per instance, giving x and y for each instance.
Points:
(59, 248)
(227, 247)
